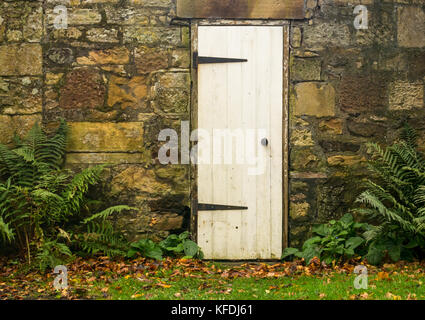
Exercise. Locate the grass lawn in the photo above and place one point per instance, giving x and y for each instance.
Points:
(330, 287)
(194, 280)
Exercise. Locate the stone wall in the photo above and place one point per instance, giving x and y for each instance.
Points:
(120, 73)
(349, 87)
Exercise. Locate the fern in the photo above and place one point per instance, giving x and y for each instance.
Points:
(396, 200)
(107, 213)
(8, 160)
(74, 193)
(34, 155)
(52, 253)
(40, 201)
(6, 232)
(101, 238)
(410, 136)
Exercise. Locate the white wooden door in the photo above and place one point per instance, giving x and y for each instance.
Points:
(246, 99)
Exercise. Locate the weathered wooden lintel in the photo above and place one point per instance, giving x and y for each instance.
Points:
(241, 9)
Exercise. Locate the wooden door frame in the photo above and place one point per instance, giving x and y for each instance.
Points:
(194, 24)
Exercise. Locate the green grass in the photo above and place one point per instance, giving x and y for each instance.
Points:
(326, 287)
(174, 279)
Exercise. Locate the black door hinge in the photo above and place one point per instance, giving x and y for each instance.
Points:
(197, 60)
(217, 207)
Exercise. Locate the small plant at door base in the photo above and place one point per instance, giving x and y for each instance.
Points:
(176, 245)
(145, 248)
(173, 246)
(396, 200)
(335, 240)
(43, 206)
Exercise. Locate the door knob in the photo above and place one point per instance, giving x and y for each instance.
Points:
(265, 142)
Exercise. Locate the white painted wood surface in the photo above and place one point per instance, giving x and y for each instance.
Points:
(245, 97)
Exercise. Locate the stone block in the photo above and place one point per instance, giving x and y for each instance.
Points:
(106, 137)
(314, 99)
(126, 92)
(406, 95)
(102, 35)
(324, 34)
(180, 58)
(102, 158)
(171, 92)
(127, 16)
(343, 160)
(306, 69)
(360, 94)
(148, 59)
(299, 210)
(411, 27)
(20, 125)
(83, 88)
(78, 16)
(20, 60)
(119, 55)
(20, 95)
(332, 126)
(137, 179)
(363, 127)
(152, 36)
(167, 222)
(154, 3)
(302, 138)
(303, 159)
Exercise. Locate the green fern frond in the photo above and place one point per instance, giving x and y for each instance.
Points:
(6, 231)
(56, 147)
(46, 196)
(101, 238)
(381, 210)
(409, 135)
(78, 187)
(40, 201)
(375, 232)
(8, 159)
(107, 213)
(396, 197)
(52, 253)
(26, 153)
(420, 196)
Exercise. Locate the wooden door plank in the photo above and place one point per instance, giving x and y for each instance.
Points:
(207, 117)
(263, 81)
(249, 223)
(234, 116)
(276, 114)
